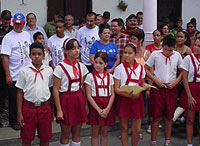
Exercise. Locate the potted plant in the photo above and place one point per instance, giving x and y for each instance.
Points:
(122, 5)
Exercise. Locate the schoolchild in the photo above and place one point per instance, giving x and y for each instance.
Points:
(129, 106)
(39, 37)
(100, 94)
(190, 99)
(163, 100)
(33, 98)
(68, 95)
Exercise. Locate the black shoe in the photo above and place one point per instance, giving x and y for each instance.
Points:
(1, 125)
(15, 126)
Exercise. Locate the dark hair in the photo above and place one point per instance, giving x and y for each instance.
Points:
(59, 13)
(106, 15)
(102, 55)
(36, 45)
(119, 22)
(36, 35)
(193, 22)
(31, 13)
(139, 33)
(132, 46)
(68, 44)
(61, 21)
(139, 13)
(122, 21)
(90, 14)
(81, 20)
(102, 27)
(131, 16)
(188, 40)
(159, 31)
(169, 41)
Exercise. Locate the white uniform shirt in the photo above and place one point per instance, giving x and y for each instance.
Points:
(120, 74)
(35, 90)
(165, 72)
(47, 58)
(56, 45)
(90, 81)
(59, 73)
(188, 66)
(86, 37)
(16, 46)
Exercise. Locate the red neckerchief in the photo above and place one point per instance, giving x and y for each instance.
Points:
(132, 69)
(102, 78)
(197, 60)
(167, 57)
(75, 71)
(36, 73)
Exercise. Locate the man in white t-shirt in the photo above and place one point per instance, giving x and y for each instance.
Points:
(15, 54)
(86, 36)
(55, 43)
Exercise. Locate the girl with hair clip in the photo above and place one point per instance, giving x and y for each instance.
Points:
(190, 98)
(68, 95)
(129, 106)
(100, 94)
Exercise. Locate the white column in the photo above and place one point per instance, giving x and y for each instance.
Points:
(149, 20)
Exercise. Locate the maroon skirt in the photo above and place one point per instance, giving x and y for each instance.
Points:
(195, 91)
(95, 119)
(74, 108)
(130, 108)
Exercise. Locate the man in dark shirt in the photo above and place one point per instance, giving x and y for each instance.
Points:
(4, 29)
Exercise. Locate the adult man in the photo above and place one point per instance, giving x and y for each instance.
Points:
(131, 24)
(178, 26)
(86, 36)
(106, 17)
(118, 38)
(15, 55)
(55, 43)
(140, 19)
(99, 20)
(32, 28)
(50, 27)
(4, 29)
(69, 21)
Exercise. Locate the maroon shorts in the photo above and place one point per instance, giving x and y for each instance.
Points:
(74, 108)
(162, 102)
(39, 118)
(130, 108)
(93, 116)
(195, 91)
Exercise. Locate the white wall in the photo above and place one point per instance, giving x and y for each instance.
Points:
(190, 8)
(39, 7)
(99, 6)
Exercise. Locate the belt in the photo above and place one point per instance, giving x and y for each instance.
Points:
(36, 104)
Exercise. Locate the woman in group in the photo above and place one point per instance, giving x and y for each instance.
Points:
(129, 106)
(157, 41)
(104, 45)
(191, 29)
(165, 30)
(68, 96)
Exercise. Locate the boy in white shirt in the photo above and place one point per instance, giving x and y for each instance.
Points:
(162, 102)
(33, 98)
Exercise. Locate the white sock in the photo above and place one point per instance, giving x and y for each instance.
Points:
(177, 113)
(189, 145)
(76, 143)
(64, 144)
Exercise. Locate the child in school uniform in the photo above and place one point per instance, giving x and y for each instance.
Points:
(163, 100)
(100, 94)
(39, 37)
(33, 98)
(129, 105)
(190, 98)
(68, 95)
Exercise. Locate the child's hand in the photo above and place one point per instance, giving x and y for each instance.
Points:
(133, 95)
(159, 83)
(20, 120)
(171, 84)
(104, 113)
(191, 102)
(48, 49)
(60, 115)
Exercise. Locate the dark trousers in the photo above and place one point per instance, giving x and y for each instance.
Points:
(12, 103)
